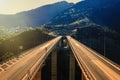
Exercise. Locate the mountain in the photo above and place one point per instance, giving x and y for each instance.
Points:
(35, 17)
(101, 12)
(94, 23)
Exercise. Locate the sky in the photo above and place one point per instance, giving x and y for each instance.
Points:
(15, 6)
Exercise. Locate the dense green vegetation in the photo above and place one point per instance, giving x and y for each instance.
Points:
(19, 43)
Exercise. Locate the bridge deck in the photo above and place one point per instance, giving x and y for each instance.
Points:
(93, 65)
(25, 67)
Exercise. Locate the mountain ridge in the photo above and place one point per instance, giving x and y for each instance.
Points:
(34, 17)
(101, 12)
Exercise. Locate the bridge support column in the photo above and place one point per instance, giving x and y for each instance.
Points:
(60, 43)
(54, 65)
(83, 77)
(38, 74)
(72, 67)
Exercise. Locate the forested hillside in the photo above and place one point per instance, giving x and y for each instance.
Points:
(24, 41)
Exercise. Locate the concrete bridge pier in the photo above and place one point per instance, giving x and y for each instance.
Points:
(38, 74)
(60, 43)
(72, 67)
(83, 77)
(54, 65)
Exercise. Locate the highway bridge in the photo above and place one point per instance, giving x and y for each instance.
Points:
(29, 65)
(93, 65)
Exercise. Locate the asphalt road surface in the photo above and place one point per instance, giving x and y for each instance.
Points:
(25, 65)
(93, 65)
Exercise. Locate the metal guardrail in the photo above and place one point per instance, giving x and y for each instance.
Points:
(32, 72)
(82, 65)
(80, 49)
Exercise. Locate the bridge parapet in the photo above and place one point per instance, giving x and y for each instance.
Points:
(93, 65)
(28, 66)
